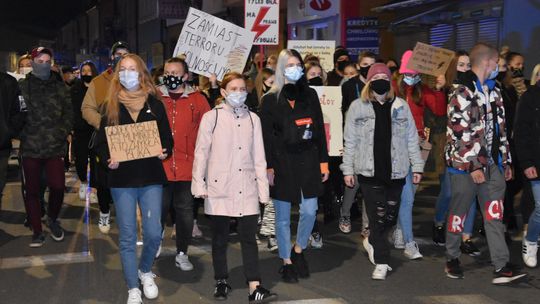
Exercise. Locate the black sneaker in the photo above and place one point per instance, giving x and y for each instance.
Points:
(453, 269)
(439, 235)
(288, 273)
(37, 240)
(222, 290)
(261, 295)
(57, 233)
(508, 274)
(301, 264)
(469, 248)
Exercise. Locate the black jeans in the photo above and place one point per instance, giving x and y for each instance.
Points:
(178, 195)
(103, 191)
(247, 228)
(4, 159)
(81, 153)
(382, 208)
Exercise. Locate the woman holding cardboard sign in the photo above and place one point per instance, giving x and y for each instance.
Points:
(132, 101)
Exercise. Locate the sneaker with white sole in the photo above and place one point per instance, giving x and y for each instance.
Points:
(182, 262)
(82, 191)
(529, 252)
(272, 243)
(134, 296)
(369, 249)
(93, 198)
(149, 286)
(380, 271)
(104, 223)
(412, 252)
(399, 243)
(316, 241)
(197, 233)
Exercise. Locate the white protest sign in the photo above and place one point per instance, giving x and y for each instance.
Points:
(213, 45)
(330, 99)
(262, 18)
(324, 49)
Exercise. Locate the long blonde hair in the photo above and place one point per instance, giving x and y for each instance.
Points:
(146, 84)
(367, 93)
(534, 76)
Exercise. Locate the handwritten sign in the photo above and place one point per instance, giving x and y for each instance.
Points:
(262, 18)
(431, 60)
(330, 99)
(324, 49)
(133, 141)
(213, 45)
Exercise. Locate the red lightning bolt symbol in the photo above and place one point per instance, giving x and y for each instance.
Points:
(257, 26)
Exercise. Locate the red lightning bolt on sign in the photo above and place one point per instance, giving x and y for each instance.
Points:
(257, 26)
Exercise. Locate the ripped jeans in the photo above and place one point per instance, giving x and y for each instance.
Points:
(125, 202)
(382, 207)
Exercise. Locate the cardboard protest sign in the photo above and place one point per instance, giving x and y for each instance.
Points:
(213, 45)
(133, 141)
(262, 18)
(431, 60)
(330, 99)
(324, 49)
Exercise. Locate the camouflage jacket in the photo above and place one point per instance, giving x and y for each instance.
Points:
(466, 148)
(48, 118)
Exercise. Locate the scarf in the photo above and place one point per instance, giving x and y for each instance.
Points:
(519, 84)
(133, 101)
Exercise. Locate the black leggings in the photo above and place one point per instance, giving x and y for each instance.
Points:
(178, 195)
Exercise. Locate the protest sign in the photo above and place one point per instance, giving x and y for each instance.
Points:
(213, 45)
(262, 18)
(330, 99)
(133, 141)
(324, 49)
(431, 60)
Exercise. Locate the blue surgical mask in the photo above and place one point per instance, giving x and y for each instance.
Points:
(494, 74)
(129, 79)
(293, 73)
(411, 80)
(236, 99)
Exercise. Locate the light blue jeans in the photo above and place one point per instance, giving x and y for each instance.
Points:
(125, 202)
(443, 201)
(405, 209)
(533, 230)
(308, 213)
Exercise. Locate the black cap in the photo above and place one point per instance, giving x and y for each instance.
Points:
(340, 52)
(68, 69)
(119, 45)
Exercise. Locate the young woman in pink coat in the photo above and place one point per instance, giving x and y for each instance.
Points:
(229, 172)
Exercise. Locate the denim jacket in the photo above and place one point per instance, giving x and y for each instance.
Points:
(359, 137)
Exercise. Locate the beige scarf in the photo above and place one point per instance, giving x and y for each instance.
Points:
(133, 101)
(519, 84)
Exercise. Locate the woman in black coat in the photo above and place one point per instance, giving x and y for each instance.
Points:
(297, 157)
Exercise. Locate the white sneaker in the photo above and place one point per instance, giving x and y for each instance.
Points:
(104, 223)
(369, 249)
(93, 198)
(528, 252)
(197, 233)
(398, 239)
(380, 271)
(134, 296)
(149, 286)
(412, 252)
(182, 262)
(82, 191)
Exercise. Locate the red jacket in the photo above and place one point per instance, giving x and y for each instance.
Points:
(184, 116)
(434, 100)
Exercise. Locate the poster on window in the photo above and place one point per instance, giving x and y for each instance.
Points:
(330, 99)
(324, 49)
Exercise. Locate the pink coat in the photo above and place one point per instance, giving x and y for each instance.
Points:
(230, 164)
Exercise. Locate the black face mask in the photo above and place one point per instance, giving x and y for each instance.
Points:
(364, 71)
(380, 86)
(86, 78)
(341, 65)
(501, 76)
(393, 69)
(315, 81)
(172, 82)
(459, 77)
(265, 88)
(517, 73)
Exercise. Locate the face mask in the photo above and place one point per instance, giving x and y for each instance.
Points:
(410, 81)
(269, 67)
(25, 70)
(86, 78)
(160, 79)
(115, 61)
(265, 88)
(393, 69)
(293, 73)
(494, 74)
(517, 73)
(342, 64)
(502, 75)
(380, 86)
(41, 70)
(315, 81)
(364, 71)
(236, 99)
(129, 79)
(459, 77)
(172, 82)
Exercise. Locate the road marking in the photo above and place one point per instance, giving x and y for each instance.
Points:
(315, 301)
(461, 299)
(46, 260)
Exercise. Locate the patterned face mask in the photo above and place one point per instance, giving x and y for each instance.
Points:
(172, 82)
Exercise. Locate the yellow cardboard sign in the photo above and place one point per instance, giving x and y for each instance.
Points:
(431, 60)
(133, 141)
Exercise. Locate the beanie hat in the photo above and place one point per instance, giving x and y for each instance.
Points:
(404, 61)
(340, 52)
(378, 68)
(119, 45)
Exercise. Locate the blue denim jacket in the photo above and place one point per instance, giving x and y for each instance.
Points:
(359, 137)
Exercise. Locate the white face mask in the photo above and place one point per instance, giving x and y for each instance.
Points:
(25, 70)
(236, 99)
(293, 73)
(129, 79)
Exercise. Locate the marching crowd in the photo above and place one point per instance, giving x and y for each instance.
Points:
(252, 147)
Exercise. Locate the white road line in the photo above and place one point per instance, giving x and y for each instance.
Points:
(315, 301)
(46, 260)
